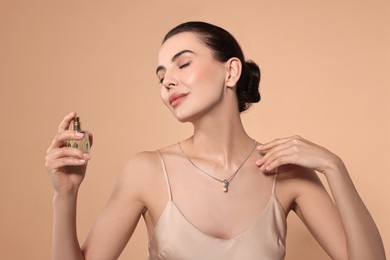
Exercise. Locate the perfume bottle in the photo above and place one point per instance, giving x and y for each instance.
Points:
(82, 144)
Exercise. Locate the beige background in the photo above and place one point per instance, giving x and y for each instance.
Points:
(325, 67)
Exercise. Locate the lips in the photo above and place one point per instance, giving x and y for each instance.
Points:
(175, 98)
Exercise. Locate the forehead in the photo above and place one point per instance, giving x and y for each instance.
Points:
(179, 42)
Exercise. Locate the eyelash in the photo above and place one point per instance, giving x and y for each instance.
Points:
(184, 65)
(180, 67)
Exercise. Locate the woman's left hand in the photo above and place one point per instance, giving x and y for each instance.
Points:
(296, 150)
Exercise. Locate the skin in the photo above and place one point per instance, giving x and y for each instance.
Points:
(219, 144)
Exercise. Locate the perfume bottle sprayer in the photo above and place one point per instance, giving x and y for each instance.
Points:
(82, 144)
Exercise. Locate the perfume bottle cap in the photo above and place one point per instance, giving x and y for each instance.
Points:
(76, 124)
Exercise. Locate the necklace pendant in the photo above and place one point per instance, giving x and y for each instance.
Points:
(227, 181)
(225, 185)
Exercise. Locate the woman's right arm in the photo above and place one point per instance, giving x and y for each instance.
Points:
(66, 167)
(118, 220)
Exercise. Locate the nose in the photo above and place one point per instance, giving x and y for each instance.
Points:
(169, 84)
(170, 81)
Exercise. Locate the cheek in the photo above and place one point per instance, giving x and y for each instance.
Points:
(211, 82)
(203, 76)
(164, 95)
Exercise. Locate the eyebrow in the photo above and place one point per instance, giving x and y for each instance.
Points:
(177, 55)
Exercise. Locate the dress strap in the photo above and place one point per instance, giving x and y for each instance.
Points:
(274, 182)
(166, 174)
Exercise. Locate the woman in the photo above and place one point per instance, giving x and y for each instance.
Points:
(218, 194)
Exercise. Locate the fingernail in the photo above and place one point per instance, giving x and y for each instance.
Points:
(86, 156)
(78, 134)
(259, 162)
(82, 161)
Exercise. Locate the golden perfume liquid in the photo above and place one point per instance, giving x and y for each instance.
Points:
(82, 144)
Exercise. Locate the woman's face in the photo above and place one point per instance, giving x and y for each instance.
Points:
(192, 80)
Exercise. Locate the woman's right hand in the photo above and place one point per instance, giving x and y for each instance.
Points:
(66, 165)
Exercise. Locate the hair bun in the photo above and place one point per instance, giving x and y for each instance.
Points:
(248, 85)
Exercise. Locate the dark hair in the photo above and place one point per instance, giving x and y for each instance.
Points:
(224, 47)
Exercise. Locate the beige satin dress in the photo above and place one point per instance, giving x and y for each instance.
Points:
(175, 238)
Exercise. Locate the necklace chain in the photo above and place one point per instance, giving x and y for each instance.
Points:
(227, 181)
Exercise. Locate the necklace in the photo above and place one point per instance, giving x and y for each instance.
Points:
(224, 182)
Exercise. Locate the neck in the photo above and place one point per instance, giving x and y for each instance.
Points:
(222, 139)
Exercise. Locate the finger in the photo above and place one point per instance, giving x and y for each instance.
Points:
(60, 139)
(279, 156)
(280, 161)
(65, 123)
(272, 144)
(65, 161)
(59, 158)
(90, 135)
(288, 143)
(69, 152)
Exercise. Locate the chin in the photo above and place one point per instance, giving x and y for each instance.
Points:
(188, 115)
(184, 116)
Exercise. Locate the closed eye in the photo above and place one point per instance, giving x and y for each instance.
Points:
(184, 65)
(180, 67)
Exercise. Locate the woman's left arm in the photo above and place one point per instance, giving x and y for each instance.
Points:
(362, 235)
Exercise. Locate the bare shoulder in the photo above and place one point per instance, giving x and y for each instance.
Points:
(296, 181)
(142, 164)
(141, 167)
(143, 175)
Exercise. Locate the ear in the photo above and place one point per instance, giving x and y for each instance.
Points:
(233, 69)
